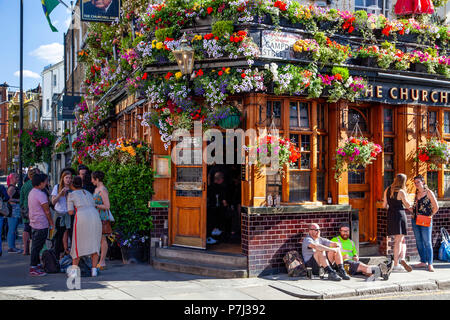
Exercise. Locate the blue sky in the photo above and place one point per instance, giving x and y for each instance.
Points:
(41, 46)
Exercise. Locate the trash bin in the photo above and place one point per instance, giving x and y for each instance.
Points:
(354, 228)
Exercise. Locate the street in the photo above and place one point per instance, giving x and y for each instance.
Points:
(431, 295)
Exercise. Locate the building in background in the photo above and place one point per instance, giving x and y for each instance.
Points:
(52, 87)
(3, 129)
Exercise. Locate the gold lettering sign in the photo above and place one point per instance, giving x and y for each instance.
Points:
(404, 93)
(432, 96)
(444, 98)
(369, 91)
(379, 92)
(415, 94)
(391, 93)
(425, 95)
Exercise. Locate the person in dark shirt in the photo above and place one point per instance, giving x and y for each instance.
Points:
(217, 206)
(101, 8)
(3, 197)
(85, 174)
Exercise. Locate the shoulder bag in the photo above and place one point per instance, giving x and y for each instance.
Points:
(421, 220)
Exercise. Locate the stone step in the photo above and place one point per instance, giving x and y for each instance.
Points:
(203, 257)
(199, 269)
(374, 260)
(368, 249)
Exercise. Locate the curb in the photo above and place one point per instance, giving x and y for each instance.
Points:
(443, 284)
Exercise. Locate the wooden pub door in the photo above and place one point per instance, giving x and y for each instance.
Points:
(188, 203)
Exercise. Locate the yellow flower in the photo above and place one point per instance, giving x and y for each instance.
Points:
(178, 75)
(227, 70)
(154, 43)
(159, 45)
(139, 145)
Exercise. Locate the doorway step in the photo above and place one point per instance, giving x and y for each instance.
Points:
(199, 262)
(369, 254)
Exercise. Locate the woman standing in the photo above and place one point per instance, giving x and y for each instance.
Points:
(13, 220)
(87, 229)
(424, 204)
(59, 201)
(101, 198)
(395, 199)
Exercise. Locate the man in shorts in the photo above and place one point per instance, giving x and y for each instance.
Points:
(350, 256)
(317, 251)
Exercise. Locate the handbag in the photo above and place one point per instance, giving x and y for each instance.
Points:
(444, 249)
(424, 221)
(106, 227)
(110, 216)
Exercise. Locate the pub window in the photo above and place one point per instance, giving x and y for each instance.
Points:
(299, 115)
(321, 116)
(273, 109)
(299, 187)
(446, 121)
(388, 161)
(388, 120)
(446, 181)
(274, 184)
(321, 167)
(304, 143)
(357, 176)
(432, 181)
(432, 121)
(357, 116)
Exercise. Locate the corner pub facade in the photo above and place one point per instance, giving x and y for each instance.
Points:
(400, 110)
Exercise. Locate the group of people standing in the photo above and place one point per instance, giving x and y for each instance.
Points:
(76, 212)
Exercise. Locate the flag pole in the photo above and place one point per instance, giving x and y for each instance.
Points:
(21, 96)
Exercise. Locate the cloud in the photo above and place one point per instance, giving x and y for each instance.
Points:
(55, 23)
(51, 53)
(28, 74)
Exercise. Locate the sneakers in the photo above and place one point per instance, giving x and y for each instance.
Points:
(210, 240)
(406, 265)
(334, 276)
(341, 272)
(397, 269)
(36, 272)
(216, 232)
(385, 272)
(14, 250)
(94, 272)
(375, 275)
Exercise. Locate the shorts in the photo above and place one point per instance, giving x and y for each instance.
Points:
(353, 266)
(27, 228)
(312, 263)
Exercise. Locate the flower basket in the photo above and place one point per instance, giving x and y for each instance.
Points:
(434, 152)
(411, 37)
(356, 152)
(327, 25)
(303, 55)
(418, 67)
(231, 122)
(369, 62)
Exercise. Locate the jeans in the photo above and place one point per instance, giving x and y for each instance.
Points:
(1, 229)
(12, 232)
(38, 240)
(423, 241)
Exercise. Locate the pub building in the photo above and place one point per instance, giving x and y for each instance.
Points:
(399, 110)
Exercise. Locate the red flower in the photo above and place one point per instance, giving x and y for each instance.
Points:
(231, 39)
(242, 33)
(350, 30)
(199, 73)
(220, 72)
(210, 10)
(168, 75)
(243, 75)
(144, 77)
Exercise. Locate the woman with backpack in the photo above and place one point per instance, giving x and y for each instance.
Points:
(14, 218)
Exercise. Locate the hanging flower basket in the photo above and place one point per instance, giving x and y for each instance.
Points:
(231, 122)
(356, 152)
(434, 152)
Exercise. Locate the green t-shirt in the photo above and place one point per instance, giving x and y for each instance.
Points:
(26, 188)
(348, 246)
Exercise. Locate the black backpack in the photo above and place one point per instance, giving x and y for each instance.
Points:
(49, 262)
(295, 265)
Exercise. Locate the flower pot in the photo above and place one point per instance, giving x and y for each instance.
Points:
(327, 25)
(303, 55)
(135, 254)
(369, 62)
(418, 67)
(231, 122)
(285, 22)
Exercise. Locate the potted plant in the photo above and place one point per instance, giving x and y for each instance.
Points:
(356, 152)
(368, 56)
(231, 118)
(134, 248)
(434, 152)
(306, 49)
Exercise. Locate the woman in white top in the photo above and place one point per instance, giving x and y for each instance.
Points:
(59, 201)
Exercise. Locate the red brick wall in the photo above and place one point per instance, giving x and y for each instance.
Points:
(266, 238)
(159, 215)
(441, 219)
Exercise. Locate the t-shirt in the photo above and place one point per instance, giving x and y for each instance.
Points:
(348, 246)
(38, 219)
(308, 252)
(61, 205)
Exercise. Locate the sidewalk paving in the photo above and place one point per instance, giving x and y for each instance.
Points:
(142, 281)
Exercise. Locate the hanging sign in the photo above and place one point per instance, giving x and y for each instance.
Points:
(277, 44)
(100, 10)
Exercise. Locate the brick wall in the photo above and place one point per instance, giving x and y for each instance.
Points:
(441, 219)
(159, 215)
(266, 238)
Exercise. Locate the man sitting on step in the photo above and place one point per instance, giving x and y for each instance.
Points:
(314, 251)
(350, 256)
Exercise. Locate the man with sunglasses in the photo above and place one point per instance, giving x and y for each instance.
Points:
(314, 251)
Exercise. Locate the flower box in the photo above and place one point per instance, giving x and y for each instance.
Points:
(303, 55)
(369, 62)
(327, 25)
(418, 67)
(266, 19)
(411, 37)
(231, 122)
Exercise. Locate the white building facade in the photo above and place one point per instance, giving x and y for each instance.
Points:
(52, 86)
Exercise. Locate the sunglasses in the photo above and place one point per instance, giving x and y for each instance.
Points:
(315, 229)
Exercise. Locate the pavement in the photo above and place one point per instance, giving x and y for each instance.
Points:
(143, 282)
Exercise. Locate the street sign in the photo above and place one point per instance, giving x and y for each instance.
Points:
(66, 107)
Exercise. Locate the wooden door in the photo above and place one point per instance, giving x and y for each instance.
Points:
(188, 210)
(359, 198)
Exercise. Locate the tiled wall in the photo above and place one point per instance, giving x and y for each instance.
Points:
(441, 219)
(266, 238)
(159, 216)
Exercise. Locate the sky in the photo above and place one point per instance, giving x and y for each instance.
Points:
(41, 46)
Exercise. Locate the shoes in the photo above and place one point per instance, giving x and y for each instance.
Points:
(0, 253)
(341, 272)
(36, 272)
(406, 265)
(94, 272)
(376, 274)
(210, 240)
(216, 232)
(334, 276)
(371, 278)
(14, 250)
(419, 265)
(397, 269)
(384, 270)
(430, 268)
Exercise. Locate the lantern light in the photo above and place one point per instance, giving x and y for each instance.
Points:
(184, 55)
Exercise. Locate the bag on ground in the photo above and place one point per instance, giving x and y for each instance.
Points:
(444, 249)
(49, 262)
(65, 263)
(294, 264)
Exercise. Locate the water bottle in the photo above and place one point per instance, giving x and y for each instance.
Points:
(269, 200)
(278, 201)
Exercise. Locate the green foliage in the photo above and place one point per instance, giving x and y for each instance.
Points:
(163, 33)
(37, 146)
(321, 38)
(222, 28)
(130, 189)
(342, 71)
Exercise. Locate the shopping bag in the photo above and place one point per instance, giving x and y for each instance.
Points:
(444, 249)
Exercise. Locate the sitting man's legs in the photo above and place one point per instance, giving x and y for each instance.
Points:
(319, 259)
(335, 258)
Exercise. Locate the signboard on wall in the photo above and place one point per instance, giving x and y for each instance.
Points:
(66, 107)
(100, 10)
(277, 44)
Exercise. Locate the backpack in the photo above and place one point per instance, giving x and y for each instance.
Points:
(444, 249)
(294, 264)
(49, 262)
(65, 263)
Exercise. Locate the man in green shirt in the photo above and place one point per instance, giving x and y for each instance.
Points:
(350, 256)
(24, 191)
